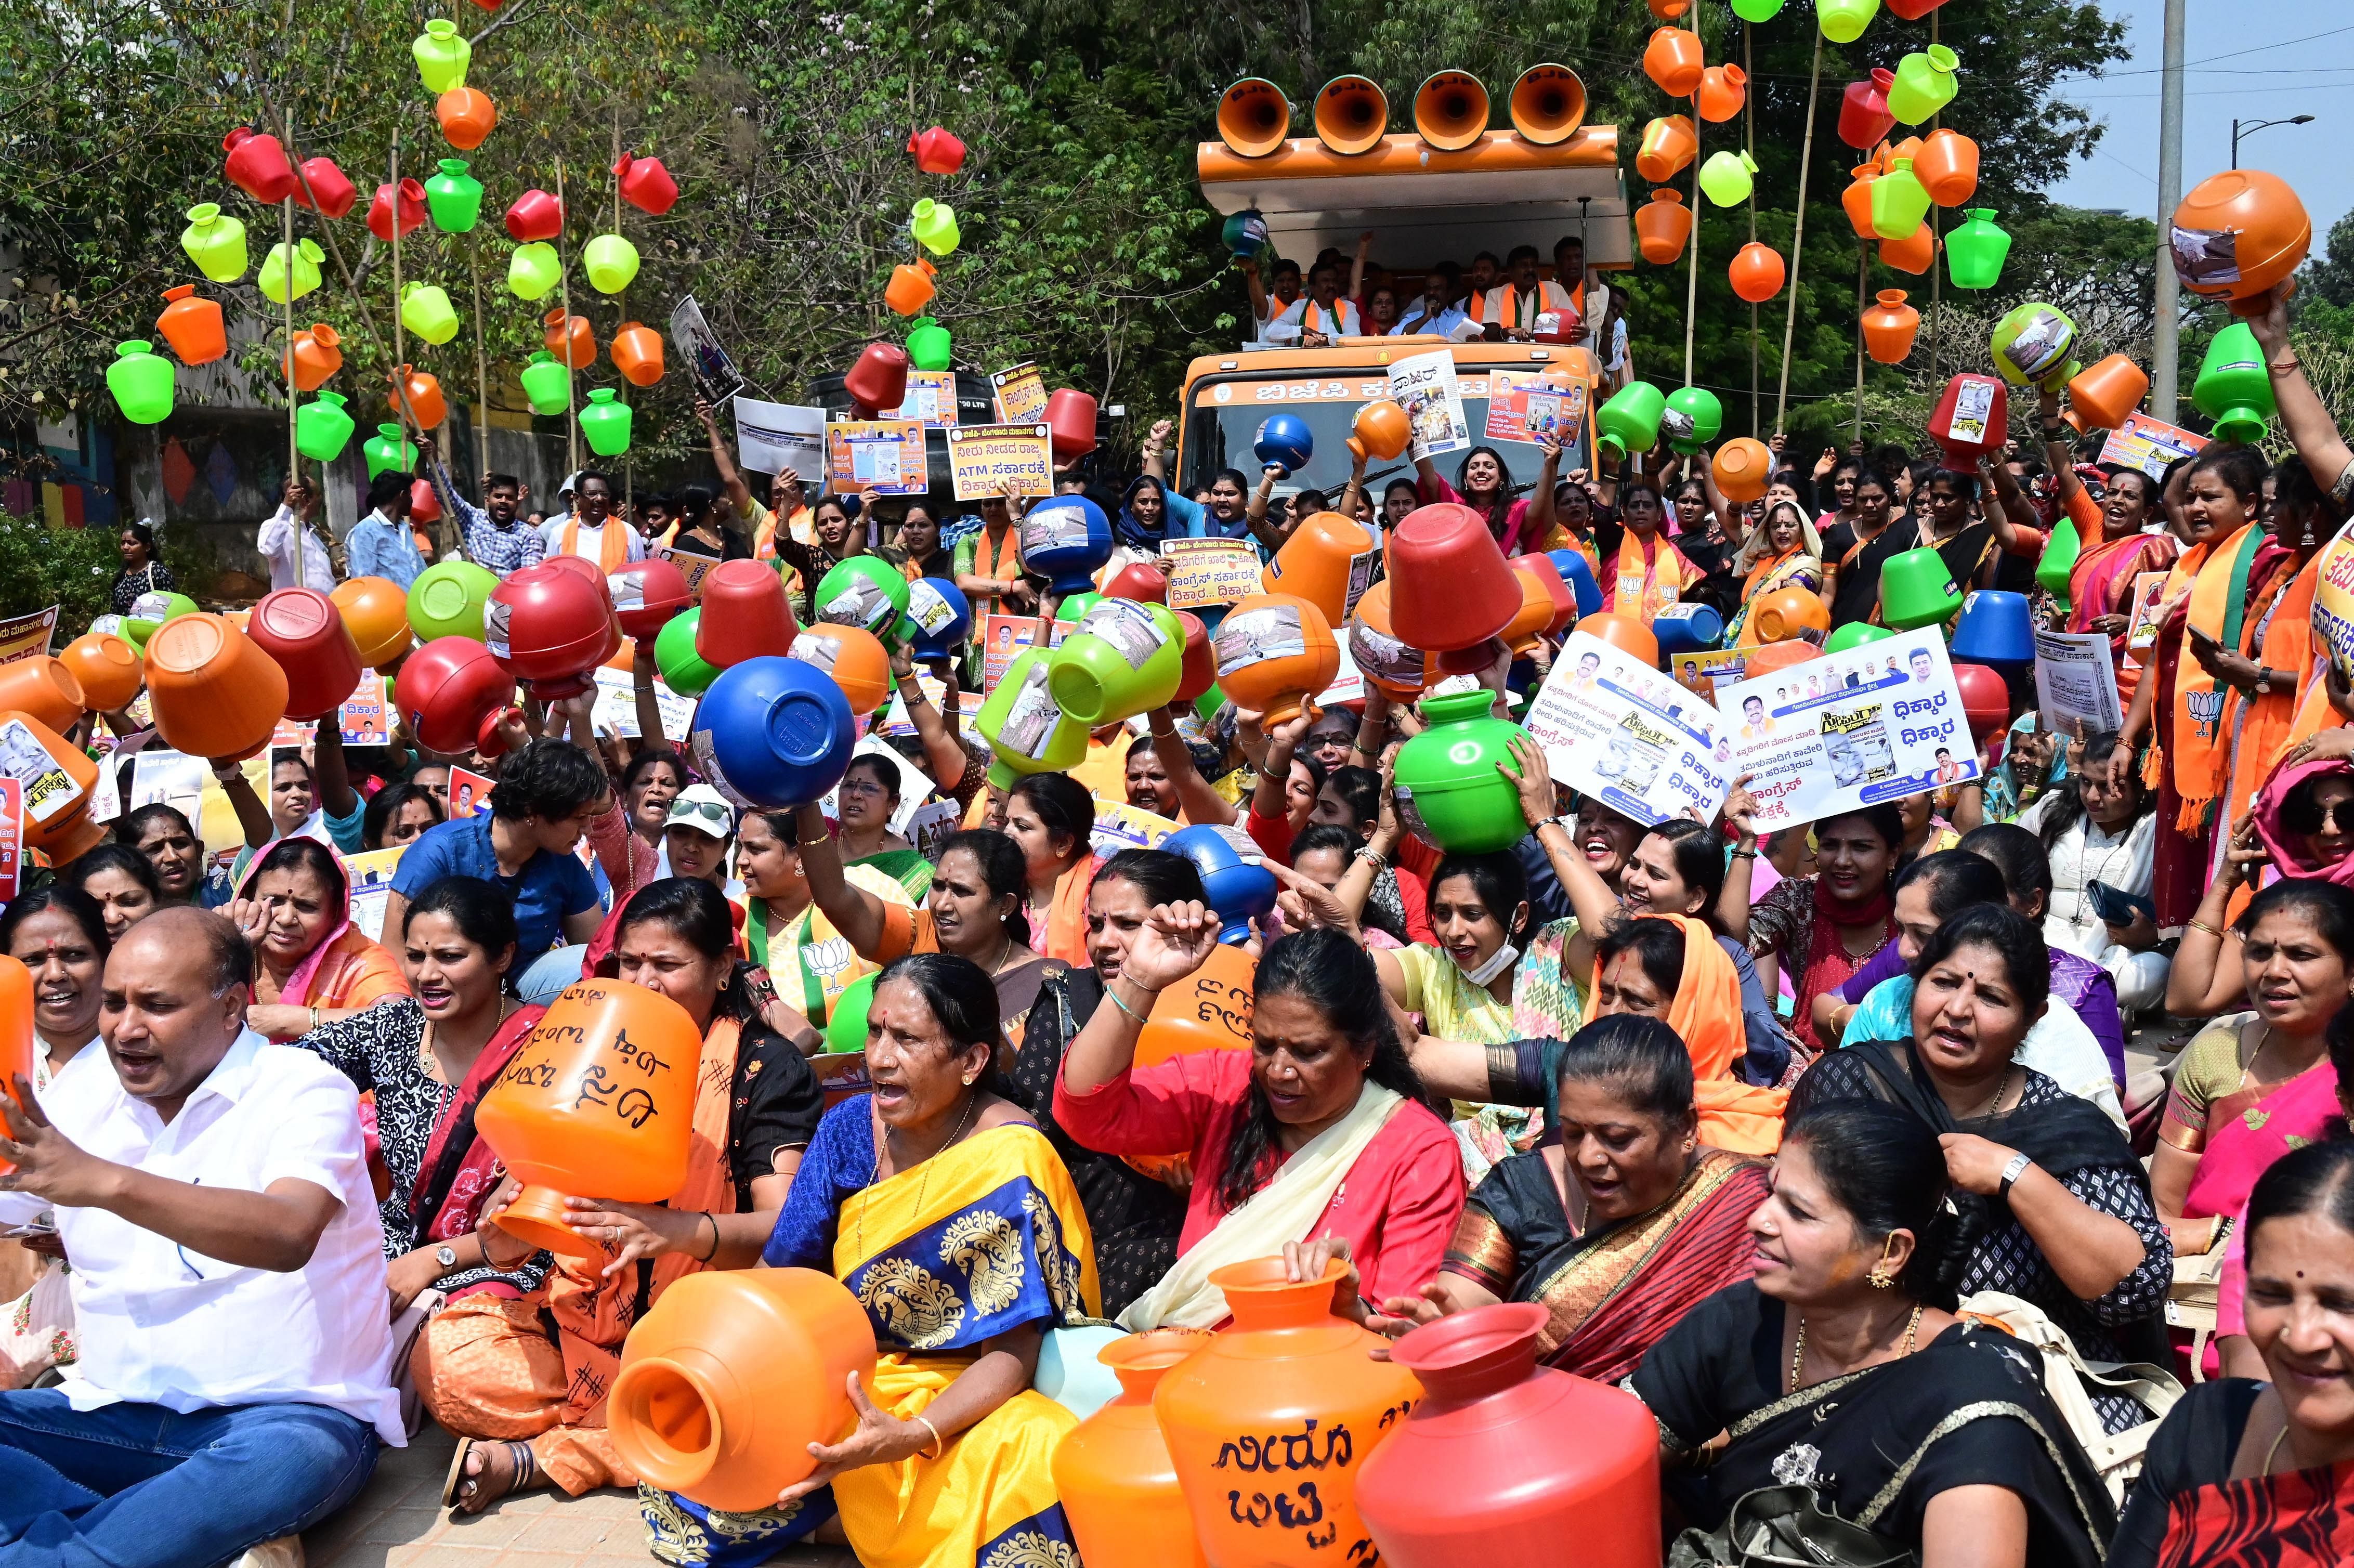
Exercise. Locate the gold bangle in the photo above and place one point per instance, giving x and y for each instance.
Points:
(2199, 925)
(315, 1021)
(940, 1443)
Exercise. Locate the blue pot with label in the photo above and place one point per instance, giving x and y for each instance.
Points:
(1065, 538)
(1234, 882)
(1284, 441)
(941, 616)
(773, 733)
(1579, 576)
(1996, 628)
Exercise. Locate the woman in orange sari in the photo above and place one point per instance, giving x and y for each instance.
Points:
(1647, 573)
(312, 965)
(2264, 675)
(1052, 819)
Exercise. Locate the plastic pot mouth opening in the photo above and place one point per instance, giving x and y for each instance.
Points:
(674, 1418)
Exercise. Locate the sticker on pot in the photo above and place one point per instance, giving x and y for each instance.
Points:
(929, 608)
(2207, 256)
(1031, 718)
(821, 652)
(49, 789)
(1409, 818)
(1360, 577)
(1676, 424)
(1129, 628)
(152, 605)
(1247, 637)
(1972, 402)
(628, 590)
(1052, 527)
(2042, 343)
(1245, 847)
(1383, 659)
(494, 628)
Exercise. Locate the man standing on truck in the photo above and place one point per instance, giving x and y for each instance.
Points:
(1264, 308)
(1435, 312)
(1322, 318)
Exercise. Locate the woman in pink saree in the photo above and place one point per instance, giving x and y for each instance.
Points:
(2116, 552)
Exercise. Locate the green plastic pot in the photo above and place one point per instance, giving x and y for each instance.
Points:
(682, 669)
(2232, 388)
(928, 346)
(610, 262)
(2034, 345)
(865, 592)
(1692, 420)
(142, 382)
(1449, 790)
(1855, 634)
(447, 600)
(935, 226)
(2060, 553)
(1916, 590)
(425, 310)
(321, 428)
(1042, 738)
(1925, 84)
(845, 1024)
(1125, 659)
(1900, 202)
(533, 270)
(152, 609)
(1757, 10)
(1074, 609)
(1629, 421)
(1728, 177)
(1975, 250)
(1843, 21)
(453, 199)
(443, 55)
(273, 280)
(215, 242)
(546, 383)
(387, 453)
(605, 423)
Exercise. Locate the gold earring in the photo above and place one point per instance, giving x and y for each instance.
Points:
(1881, 1281)
(967, 1080)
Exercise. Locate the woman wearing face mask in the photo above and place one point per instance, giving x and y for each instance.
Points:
(58, 933)
(1647, 573)
(1822, 928)
(2303, 827)
(2250, 1471)
(1854, 553)
(122, 882)
(311, 964)
(1135, 1217)
(2055, 1207)
(1316, 1130)
(1842, 1369)
(1782, 552)
(1050, 818)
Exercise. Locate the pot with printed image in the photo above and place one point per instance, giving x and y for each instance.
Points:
(1125, 659)
(1235, 882)
(1328, 561)
(853, 657)
(1395, 668)
(941, 616)
(865, 592)
(61, 781)
(2238, 233)
(647, 594)
(1276, 652)
(1065, 538)
(1026, 730)
(775, 734)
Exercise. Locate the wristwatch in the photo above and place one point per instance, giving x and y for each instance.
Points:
(446, 1256)
(2012, 1172)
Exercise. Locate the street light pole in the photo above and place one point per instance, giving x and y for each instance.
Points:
(2255, 125)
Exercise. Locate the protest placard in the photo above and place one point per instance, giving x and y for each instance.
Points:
(617, 706)
(1021, 394)
(1709, 671)
(691, 567)
(2075, 683)
(2147, 611)
(896, 722)
(2149, 443)
(470, 793)
(1615, 729)
(716, 379)
(1004, 635)
(886, 456)
(371, 879)
(780, 438)
(1120, 826)
(366, 720)
(1424, 386)
(12, 835)
(1210, 574)
(983, 459)
(931, 399)
(27, 636)
(1529, 406)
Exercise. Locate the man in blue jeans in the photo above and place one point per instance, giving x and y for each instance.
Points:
(211, 1191)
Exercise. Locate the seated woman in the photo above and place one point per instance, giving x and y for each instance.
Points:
(1317, 1129)
(974, 910)
(1824, 927)
(2056, 1209)
(950, 1460)
(1929, 892)
(58, 933)
(2303, 827)
(1780, 552)
(785, 932)
(1050, 818)
(430, 1057)
(522, 1382)
(2252, 1086)
(867, 797)
(2097, 827)
(1620, 1227)
(1136, 1217)
(311, 964)
(2253, 1474)
(122, 881)
(1842, 1369)
(397, 813)
(2083, 986)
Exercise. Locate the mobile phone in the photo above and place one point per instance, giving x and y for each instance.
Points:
(42, 1227)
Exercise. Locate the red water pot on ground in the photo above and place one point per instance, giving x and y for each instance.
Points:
(878, 380)
(258, 166)
(1503, 1461)
(1863, 117)
(536, 215)
(324, 188)
(302, 631)
(646, 594)
(745, 614)
(646, 185)
(1972, 419)
(1071, 423)
(1450, 590)
(452, 693)
(411, 209)
(550, 626)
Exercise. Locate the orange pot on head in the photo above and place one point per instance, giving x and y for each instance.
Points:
(425, 400)
(1275, 653)
(317, 353)
(376, 612)
(46, 688)
(1662, 225)
(109, 668)
(854, 656)
(215, 693)
(1916, 253)
(2102, 394)
(1889, 327)
(638, 354)
(1948, 167)
(574, 344)
(1857, 200)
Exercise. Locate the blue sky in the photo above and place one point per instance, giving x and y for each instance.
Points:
(2252, 59)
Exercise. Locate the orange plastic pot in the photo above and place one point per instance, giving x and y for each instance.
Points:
(745, 614)
(1722, 90)
(215, 693)
(1758, 272)
(2102, 394)
(1563, 598)
(1521, 633)
(1741, 468)
(1771, 656)
(576, 344)
(729, 1380)
(109, 668)
(467, 116)
(910, 287)
(1382, 430)
(1916, 253)
(1662, 225)
(317, 353)
(192, 325)
(1857, 200)
(1328, 561)
(595, 1105)
(1276, 652)
(638, 354)
(376, 612)
(1397, 669)
(303, 632)
(1113, 1472)
(1209, 1010)
(1669, 143)
(46, 688)
(1271, 1423)
(2237, 234)
(425, 400)
(16, 1041)
(58, 823)
(852, 655)
(1672, 59)
(1624, 633)
(1783, 614)
(1948, 165)
(1889, 327)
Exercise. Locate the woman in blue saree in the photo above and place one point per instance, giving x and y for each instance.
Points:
(946, 1212)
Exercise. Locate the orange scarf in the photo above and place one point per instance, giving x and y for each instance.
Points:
(1066, 917)
(2216, 575)
(1705, 1012)
(1005, 562)
(593, 1313)
(1642, 593)
(612, 545)
(2260, 726)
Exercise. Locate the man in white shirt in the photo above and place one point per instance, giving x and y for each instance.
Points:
(292, 543)
(212, 1194)
(1322, 317)
(1283, 279)
(1514, 305)
(591, 529)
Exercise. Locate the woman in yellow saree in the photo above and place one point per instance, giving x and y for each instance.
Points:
(948, 1214)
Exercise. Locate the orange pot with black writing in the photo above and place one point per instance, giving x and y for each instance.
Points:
(597, 1103)
(46, 688)
(1209, 1010)
(1270, 1424)
(1113, 1472)
(108, 668)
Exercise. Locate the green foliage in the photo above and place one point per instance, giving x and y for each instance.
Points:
(73, 569)
(2331, 276)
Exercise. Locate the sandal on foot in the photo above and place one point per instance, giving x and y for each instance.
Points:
(523, 1472)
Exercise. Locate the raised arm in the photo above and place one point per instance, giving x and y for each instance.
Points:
(329, 770)
(1156, 450)
(1255, 511)
(1203, 806)
(2310, 428)
(940, 748)
(1597, 908)
(857, 914)
(1739, 813)
(730, 477)
(1357, 269)
(1174, 940)
(641, 691)
(252, 812)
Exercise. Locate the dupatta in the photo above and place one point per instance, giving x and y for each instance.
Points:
(1648, 582)
(2216, 573)
(1706, 1013)
(344, 968)
(2287, 848)
(2246, 1132)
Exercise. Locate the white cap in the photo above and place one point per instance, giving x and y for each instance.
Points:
(704, 809)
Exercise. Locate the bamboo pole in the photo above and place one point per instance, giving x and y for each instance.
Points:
(1749, 139)
(1798, 239)
(335, 253)
(1936, 244)
(482, 364)
(1862, 282)
(293, 451)
(564, 295)
(1692, 282)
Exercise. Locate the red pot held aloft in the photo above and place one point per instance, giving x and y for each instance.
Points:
(302, 631)
(258, 166)
(745, 614)
(552, 627)
(1972, 418)
(938, 150)
(646, 185)
(1450, 590)
(451, 693)
(1503, 1460)
(1071, 423)
(536, 215)
(1140, 582)
(1200, 672)
(330, 192)
(646, 594)
(1863, 117)
(879, 379)
(380, 210)
(1986, 700)
(424, 505)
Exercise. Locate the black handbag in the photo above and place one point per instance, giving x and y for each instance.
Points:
(1784, 1526)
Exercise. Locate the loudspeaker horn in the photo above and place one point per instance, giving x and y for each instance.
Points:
(1548, 104)
(1254, 117)
(1450, 111)
(1351, 114)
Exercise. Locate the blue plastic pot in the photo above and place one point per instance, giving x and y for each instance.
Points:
(941, 615)
(773, 733)
(1065, 538)
(1687, 628)
(1996, 628)
(1284, 441)
(1241, 890)
(1580, 578)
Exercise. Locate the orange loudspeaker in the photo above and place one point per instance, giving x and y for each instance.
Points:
(1450, 111)
(1254, 117)
(1548, 104)
(1352, 113)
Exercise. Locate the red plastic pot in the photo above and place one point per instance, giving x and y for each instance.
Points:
(1986, 700)
(380, 210)
(938, 150)
(451, 693)
(646, 185)
(745, 614)
(258, 166)
(1071, 424)
(331, 192)
(646, 594)
(536, 215)
(551, 626)
(303, 631)
(1450, 591)
(1863, 117)
(1140, 582)
(1200, 668)
(879, 379)
(1557, 592)
(424, 504)
(1972, 419)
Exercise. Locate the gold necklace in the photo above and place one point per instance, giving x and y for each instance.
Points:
(971, 1104)
(2273, 1452)
(1798, 1350)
